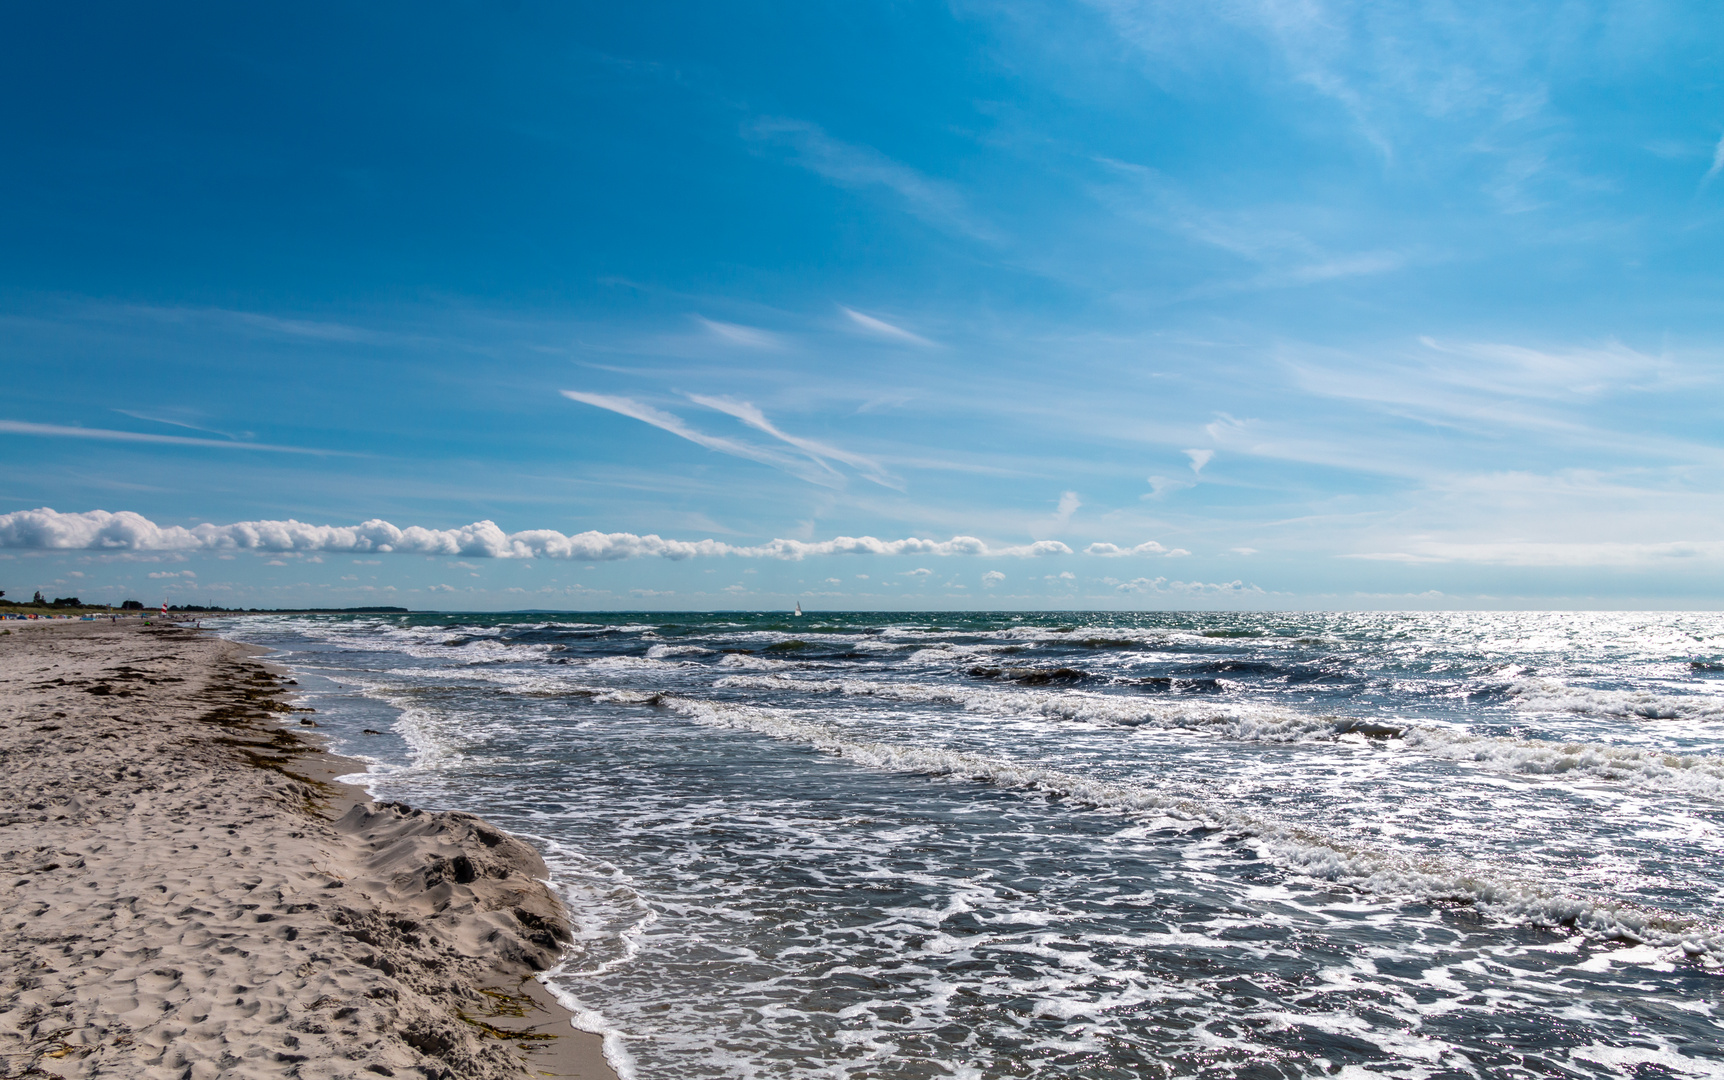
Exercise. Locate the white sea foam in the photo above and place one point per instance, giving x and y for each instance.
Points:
(1264, 723)
(750, 662)
(590, 1020)
(1553, 696)
(662, 652)
(628, 664)
(1643, 1060)
(947, 653)
(1297, 848)
(1698, 774)
(608, 917)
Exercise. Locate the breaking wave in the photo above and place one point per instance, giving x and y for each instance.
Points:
(1296, 848)
(1551, 696)
(1255, 722)
(1698, 774)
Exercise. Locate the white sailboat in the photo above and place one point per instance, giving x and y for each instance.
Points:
(798, 613)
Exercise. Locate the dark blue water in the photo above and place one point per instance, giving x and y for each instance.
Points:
(1087, 845)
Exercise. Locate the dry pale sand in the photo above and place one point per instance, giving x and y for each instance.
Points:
(184, 894)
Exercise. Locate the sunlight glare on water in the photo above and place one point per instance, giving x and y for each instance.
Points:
(1086, 845)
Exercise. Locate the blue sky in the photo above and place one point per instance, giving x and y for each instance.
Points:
(1226, 305)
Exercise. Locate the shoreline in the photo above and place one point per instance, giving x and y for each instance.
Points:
(186, 889)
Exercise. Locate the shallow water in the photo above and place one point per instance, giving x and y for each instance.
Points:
(1087, 845)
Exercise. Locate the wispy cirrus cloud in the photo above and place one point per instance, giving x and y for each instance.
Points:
(1488, 390)
(58, 431)
(273, 325)
(674, 424)
(155, 418)
(884, 329)
(1556, 554)
(1717, 164)
(812, 461)
(750, 336)
(864, 168)
(1274, 238)
(1396, 70)
(818, 452)
(1068, 505)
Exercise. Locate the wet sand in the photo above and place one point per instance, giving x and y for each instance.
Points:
(185, 891)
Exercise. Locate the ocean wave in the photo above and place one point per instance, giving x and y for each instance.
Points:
(949, 652)
(1697, 774)
(750, 662)
(662, 652)
(629, 663)
(1551, 696)
(1259, 723)
(1300, 849)
(1030, 676)
(490, 651)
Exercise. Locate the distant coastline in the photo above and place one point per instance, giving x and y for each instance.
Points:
(15, 610)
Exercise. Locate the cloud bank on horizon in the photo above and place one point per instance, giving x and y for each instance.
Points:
(1346, 303)
(46, 529)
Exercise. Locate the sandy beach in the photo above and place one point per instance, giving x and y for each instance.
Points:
(188, 893)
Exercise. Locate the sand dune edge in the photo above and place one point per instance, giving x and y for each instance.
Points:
(184, 893)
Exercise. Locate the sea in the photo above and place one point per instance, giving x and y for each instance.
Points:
(1080, 844)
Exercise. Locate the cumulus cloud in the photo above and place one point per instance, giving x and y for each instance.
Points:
(992, 578)
(1148, 547)
(125, 531)
(1188, 588)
